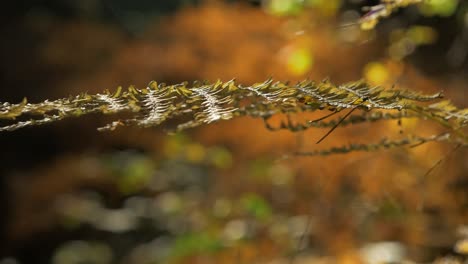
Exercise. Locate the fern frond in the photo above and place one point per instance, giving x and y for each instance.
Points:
(446, 110)
(384, 9)
(365, 117)
(158, 103)
(383, 144)
(204, 103)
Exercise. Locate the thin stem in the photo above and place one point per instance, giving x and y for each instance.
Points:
(335, 126)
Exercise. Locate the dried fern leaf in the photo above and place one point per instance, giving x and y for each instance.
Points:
(204, 103)
(365, 117)
(383, 144)
(384, 9)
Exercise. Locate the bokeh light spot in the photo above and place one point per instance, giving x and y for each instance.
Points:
(439, 7)
(300, 61)
(283, 7)
(376, 73)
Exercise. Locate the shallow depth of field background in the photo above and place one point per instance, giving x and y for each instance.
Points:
(222, 193)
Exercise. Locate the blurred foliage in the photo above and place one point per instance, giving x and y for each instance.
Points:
(439, 7)
(83, 252)
(133, 172)
(220, 193)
